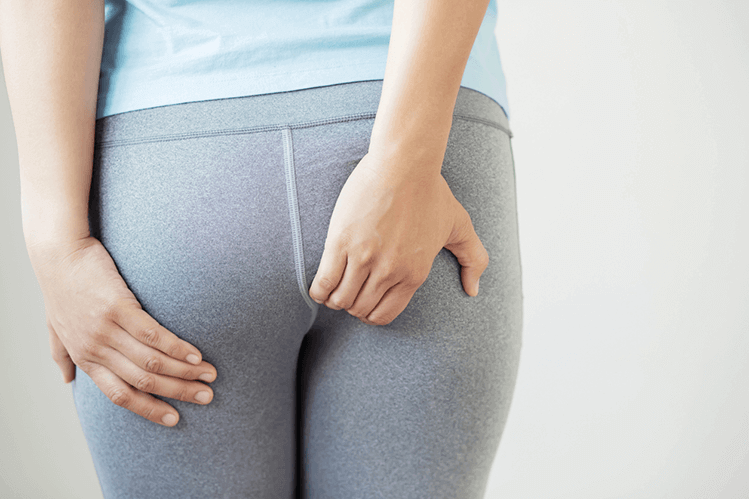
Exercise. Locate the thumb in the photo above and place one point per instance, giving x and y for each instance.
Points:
(60, 356)
(465, 244)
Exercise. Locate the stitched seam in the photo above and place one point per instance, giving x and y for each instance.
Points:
(267, 128)
(237, 131)
(296, 226)
(485, 122)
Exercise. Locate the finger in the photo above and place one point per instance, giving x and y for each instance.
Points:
(347, 290)
(147, 330)
(465, 244)
(166, 386)
(376, 285)
(156, 362)
(393, 302)
(124, 395)
(329, 272)
(61, 356)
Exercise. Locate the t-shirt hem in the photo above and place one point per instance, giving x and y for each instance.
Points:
(142, 96)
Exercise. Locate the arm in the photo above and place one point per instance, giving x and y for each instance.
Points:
(396, 211)
(51, 52)
(51, 55)
(429, 47)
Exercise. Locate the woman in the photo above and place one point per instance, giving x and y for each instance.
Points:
(262, 226)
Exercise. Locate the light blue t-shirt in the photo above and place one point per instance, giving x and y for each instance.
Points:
(160, 52)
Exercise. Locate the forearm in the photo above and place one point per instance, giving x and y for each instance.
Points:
(51, 52)
(429, 47)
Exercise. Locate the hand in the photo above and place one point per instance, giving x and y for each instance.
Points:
(386, 228)
(96, 323)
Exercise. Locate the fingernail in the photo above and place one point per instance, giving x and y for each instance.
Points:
(206, 377)
(193, 359)
(477, 286)
(169, 419)
(203, 397)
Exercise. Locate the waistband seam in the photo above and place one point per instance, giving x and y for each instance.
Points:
(270, 128)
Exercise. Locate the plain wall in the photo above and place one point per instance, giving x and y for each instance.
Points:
(630, 122)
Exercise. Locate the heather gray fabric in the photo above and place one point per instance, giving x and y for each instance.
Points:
(216, 214)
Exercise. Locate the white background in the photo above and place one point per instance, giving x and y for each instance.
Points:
(631, 130)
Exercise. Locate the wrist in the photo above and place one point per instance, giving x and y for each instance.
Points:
(409, 158)
(52, 232)
(401, 170)
(412, 145)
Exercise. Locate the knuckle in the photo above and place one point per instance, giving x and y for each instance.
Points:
(414, 278)
(326, 283)
(355, 312)
(90, 348)
(148, 411)
(145, 383)
(153, 364)
(111, 311)
(150, 336)
(183, 393)
(173, 350)
(365, 256)
(120, 396)
(379, 319)
(83, 364)
(97, 335)
(339, 302)
(390, 268)
(341, 242)
(188, 373)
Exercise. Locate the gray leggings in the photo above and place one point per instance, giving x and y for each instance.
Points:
(216, 213)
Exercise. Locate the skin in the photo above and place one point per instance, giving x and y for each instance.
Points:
(393, 215)
(396, 212)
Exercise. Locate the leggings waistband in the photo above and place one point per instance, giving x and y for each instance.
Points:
(290, 109)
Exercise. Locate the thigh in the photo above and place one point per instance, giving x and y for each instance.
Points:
(416, 408)
(199, 228)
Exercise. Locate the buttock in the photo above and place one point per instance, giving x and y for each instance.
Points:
(216, 214)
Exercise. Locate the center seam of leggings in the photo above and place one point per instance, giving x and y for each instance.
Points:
(296, 225)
